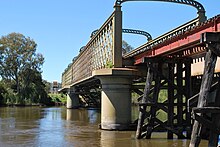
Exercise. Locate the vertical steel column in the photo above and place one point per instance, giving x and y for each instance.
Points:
(117, 37)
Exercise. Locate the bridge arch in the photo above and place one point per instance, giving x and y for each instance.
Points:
(139, 32)
(193, 3)
(132, 31)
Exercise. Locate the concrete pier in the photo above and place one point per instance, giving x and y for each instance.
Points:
(72, 99)
(115, 97)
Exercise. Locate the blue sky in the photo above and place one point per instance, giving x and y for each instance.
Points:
(62, 27)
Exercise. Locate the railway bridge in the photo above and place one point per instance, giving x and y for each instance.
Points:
(182, 64)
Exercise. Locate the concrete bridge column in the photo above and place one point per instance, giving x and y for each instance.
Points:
(115, 98)
(72, 99)
(115, 103)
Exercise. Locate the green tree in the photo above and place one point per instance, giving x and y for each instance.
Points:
(126, 47)
(32, 87)
(19, 61)
(47, 86)
(2, 92)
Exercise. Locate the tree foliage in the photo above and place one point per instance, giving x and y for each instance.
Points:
(126, 47)
(2, 92)
(21, 65)
(18, 57)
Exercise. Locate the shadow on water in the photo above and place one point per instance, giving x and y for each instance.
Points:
(61, 127)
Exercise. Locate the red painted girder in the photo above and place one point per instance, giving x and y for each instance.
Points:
(182, 42)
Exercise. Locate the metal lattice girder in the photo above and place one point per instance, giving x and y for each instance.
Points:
(193, 3)
(149, 37)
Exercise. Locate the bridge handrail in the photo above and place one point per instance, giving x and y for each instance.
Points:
(95, 35)
(83, 65)
(101, 29)
(163, 38)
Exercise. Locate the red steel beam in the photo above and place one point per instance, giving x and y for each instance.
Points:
(182, 42)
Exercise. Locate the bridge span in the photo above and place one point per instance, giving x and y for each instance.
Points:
(172, 63)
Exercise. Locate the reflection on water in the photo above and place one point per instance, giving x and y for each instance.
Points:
(89, 116)
(51, 128)
(61, 127)
(82, 127)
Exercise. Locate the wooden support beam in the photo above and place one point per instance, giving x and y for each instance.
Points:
(159, 105)
(188, 94)
(194, 99)
(213, 110)
(154, 101)
(180, 97)
(170, 129)
(137, 86)
(170, 100)
(213, 139)
(145, 98)
(212, 40)
(162, 106)
(174, 82)
(139, 92)
(207, 123)
(210, 61)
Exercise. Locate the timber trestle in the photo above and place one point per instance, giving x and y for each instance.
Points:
(169, 77)
(90, 94)
(204, 114)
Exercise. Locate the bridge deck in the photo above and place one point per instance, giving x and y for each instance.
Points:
(186, 44)
(182, 41)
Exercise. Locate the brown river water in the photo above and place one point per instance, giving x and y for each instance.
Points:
(61, 127)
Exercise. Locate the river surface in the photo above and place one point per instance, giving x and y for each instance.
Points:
(61, 127)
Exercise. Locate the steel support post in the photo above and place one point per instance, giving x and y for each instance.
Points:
(117, 37)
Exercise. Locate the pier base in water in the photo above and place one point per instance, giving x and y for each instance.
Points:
(72, 99)
(115, 98)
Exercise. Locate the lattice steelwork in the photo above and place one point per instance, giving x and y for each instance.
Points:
(95, 55)
(102, 46)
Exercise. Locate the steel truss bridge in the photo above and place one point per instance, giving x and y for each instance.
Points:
(182, 63)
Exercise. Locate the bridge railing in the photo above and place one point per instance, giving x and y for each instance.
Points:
(102, 51)
(165, 37)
